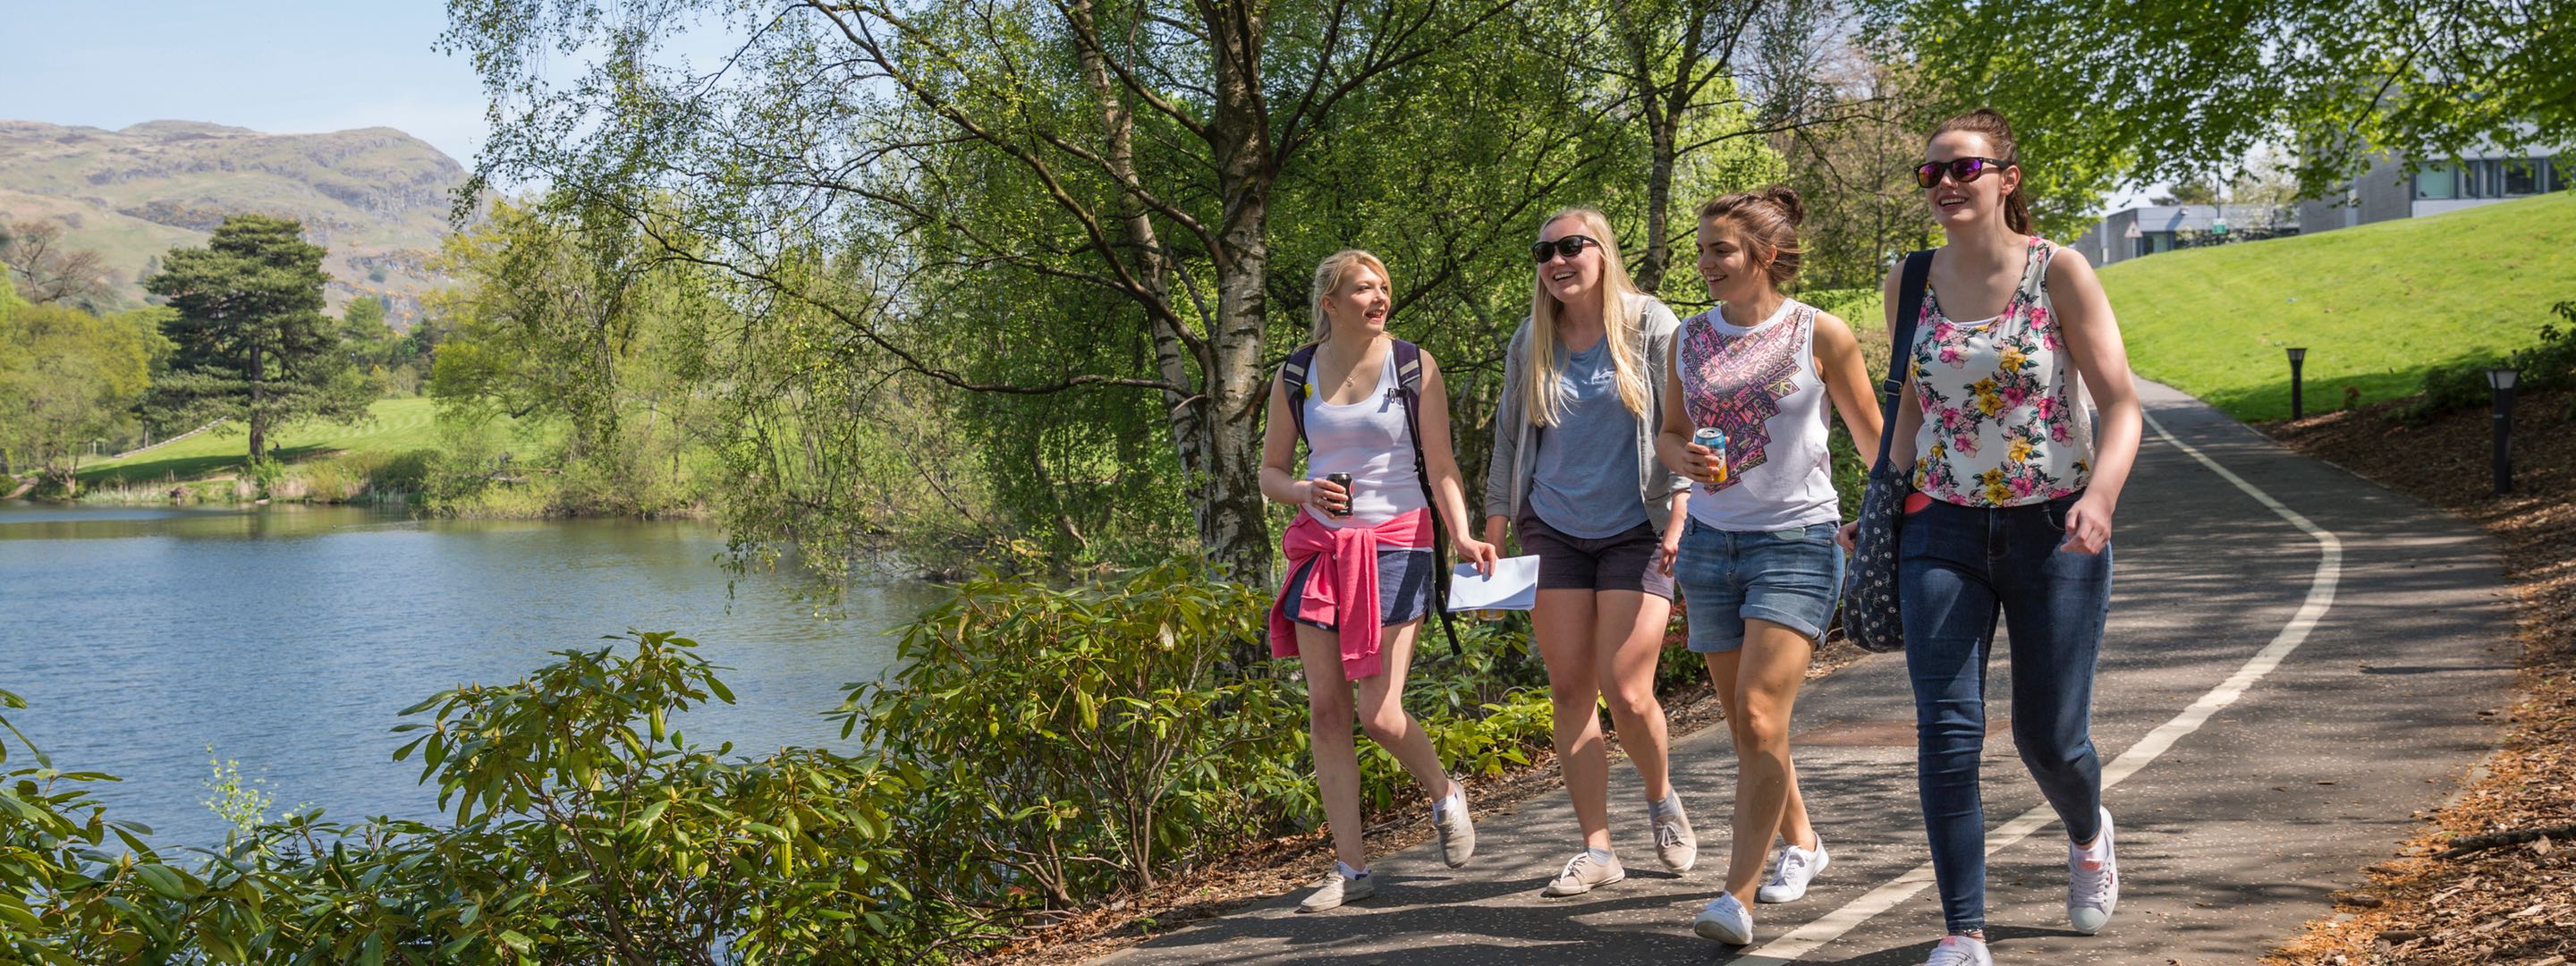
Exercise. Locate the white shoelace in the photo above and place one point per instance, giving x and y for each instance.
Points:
(1954, 954)
(1668, 833)
(2092, 887)
(1580, 858)
(1791, 860)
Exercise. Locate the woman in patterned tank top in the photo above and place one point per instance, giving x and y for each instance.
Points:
(2016, 487)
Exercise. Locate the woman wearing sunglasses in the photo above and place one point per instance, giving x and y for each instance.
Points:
(2015, 487)
(1759, 570)
(1575, 474)
(1359, 558)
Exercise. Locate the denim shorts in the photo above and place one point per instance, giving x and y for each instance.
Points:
(1792, 578)
(1403, 586)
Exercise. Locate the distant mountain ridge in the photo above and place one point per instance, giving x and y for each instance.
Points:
(376, 197)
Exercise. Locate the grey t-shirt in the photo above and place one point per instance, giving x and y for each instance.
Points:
(1585, 481)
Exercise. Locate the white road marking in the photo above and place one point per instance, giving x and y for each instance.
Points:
(2321, 592)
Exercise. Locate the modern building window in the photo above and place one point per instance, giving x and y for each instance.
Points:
(2522, 176)
(2437, 184)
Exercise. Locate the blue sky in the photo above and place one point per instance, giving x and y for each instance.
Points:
(283, 66)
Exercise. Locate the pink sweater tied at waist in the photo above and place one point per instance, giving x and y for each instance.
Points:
(1342, 589)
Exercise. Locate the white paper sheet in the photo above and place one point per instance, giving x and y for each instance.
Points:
(1514, 586)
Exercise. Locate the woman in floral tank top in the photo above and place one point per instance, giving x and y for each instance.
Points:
(2016, 486)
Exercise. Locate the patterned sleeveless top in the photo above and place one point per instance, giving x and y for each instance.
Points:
(1759, 384)
(2004, 418)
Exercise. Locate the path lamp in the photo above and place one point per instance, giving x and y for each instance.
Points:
(2501, 380)
(2298, 357)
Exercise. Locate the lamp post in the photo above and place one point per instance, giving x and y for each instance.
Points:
(2501, 380)
(2298, 356)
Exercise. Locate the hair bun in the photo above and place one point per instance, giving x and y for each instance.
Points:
(1786, 199)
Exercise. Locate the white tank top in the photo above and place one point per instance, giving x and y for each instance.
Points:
(1369, 441)
(1759, 384)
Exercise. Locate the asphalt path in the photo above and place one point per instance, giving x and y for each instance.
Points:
(2296, 663)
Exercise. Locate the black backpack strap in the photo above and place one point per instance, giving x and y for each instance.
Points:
(1294, 373)
(1911, 282)
(1408, 382)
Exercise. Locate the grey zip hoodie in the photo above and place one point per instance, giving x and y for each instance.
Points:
(1507, 476)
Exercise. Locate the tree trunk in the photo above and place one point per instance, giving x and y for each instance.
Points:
(258, 403)
(1232, 521)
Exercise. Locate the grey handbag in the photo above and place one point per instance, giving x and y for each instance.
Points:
(1871, 617)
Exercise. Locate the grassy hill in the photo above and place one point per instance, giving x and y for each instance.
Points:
(376, 197)
(395, 426)
(2376, 306)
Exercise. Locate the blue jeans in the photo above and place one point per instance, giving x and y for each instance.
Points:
(1957, 568)
(1792, 578)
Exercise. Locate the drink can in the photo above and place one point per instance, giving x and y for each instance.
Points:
(1715, 439)
(1342, 480)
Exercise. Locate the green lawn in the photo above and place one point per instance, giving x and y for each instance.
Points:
(393, 426)
(2375, 306)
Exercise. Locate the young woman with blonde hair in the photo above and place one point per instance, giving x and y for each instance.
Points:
(1360, 562)
(1759, 570)
(1575, 475)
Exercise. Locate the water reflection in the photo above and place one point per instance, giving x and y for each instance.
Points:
(290, 637)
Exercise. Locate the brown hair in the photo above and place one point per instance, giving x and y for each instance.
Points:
(1769, 219)
(1998, 132)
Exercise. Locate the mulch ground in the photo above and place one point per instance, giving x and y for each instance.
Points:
(1293, 863)
(2513, 903)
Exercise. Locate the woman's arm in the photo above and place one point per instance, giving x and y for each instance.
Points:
(1448, 494)
(1847, 381)
(1506, 449)
(1279, 480)
(2093, 342)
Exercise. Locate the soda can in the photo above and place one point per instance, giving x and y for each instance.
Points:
(1715, 439)
(1342, 480)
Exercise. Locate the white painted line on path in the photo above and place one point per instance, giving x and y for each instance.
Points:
(2321, 592)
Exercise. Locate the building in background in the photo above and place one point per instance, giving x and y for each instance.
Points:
(2148, 229)
(2385, 192)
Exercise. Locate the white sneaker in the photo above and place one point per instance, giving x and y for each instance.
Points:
(1725, 920)
(1960, 951)
(1337, 889)
(1582, 873)
(1797, 868)
(1675, 845)
(2092, 888)
(1457, 831)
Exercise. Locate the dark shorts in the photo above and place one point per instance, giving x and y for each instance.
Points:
(1792, 578)
(1623, 561)
(1403, 586)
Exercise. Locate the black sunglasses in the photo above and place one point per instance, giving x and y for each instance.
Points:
(1962, 170)
(1567, 247)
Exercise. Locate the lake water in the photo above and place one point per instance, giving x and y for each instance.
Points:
(289, 639)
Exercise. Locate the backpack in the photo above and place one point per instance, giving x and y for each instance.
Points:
(1408, 382)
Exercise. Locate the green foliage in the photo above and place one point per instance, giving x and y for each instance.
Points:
(2143, 92)
(2548, 364)
(251, 340)
(68, 377)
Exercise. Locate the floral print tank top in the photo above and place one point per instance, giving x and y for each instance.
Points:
(2004, 422)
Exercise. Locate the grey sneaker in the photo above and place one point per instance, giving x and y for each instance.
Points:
(1725, 920)
(1797, 868)
(1960, 951)
(1675, 846)
(1337, 889)
(1457, 831)
(1583, 873)
(2092, 888)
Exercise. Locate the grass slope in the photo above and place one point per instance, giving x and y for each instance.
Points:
(2376, 306)
(393, 426)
